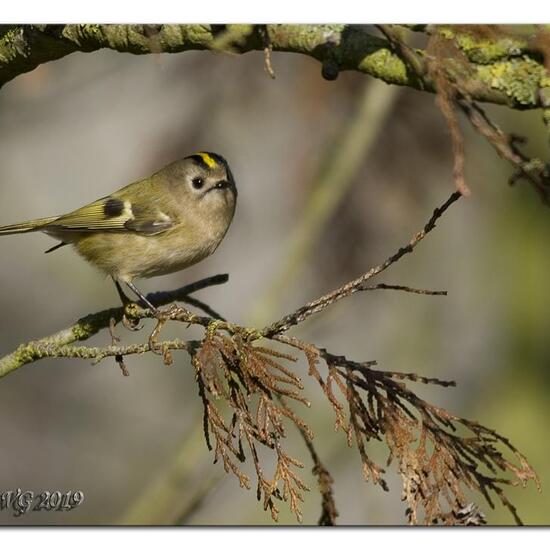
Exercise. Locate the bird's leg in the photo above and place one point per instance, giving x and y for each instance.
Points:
(138, 293)
(161, 320)
(123, 298)
(127, 320)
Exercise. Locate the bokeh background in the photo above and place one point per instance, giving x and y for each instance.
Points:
(333, 177)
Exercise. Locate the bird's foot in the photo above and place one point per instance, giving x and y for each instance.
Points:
(129, 317)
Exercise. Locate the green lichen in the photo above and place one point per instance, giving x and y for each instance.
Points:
(385, 65)
(91, 324)
(232, 39)
(484, 50)
(25, 353)
(92, 30)
(11, 45)
(519, 79)
(83, 330)
(314, 40)
(82, 35)
(199, 36)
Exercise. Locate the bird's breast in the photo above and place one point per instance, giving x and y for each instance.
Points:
(127, 256)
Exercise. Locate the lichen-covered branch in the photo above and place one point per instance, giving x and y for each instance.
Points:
(463, 44)
(58, 344)
(501, 69)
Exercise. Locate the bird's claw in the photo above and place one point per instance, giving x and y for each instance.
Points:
(129, 319)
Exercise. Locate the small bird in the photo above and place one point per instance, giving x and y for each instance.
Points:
(154, 226)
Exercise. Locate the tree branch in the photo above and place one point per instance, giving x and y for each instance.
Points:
(57, 345)
(503, 70)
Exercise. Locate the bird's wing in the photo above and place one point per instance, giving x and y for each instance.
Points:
(112, 214)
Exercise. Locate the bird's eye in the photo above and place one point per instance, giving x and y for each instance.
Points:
(198, 183)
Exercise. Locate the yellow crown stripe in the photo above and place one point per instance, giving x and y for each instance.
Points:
(208, 160)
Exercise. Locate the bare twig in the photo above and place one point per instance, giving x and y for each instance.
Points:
(329, 513)
(535, 171)
(180, 294)
(115, 340)
(267, 50)
(302, 313)
(195, 302)
(426, 292)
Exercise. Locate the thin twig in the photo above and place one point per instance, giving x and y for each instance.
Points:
(268, 48)
(329, 512)
(383, 286)
(356, 285)
(168, 296)
(115, 340)
(199, 304)
(535, 171)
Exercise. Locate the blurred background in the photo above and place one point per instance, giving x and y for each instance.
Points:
(333, 177)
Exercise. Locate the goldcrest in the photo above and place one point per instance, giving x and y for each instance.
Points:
(154, 226)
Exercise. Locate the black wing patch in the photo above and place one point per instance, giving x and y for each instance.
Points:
(113, 208)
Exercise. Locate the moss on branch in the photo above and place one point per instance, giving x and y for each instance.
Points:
(502, 70)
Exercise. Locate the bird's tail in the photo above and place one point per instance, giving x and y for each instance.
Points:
(25, 227)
